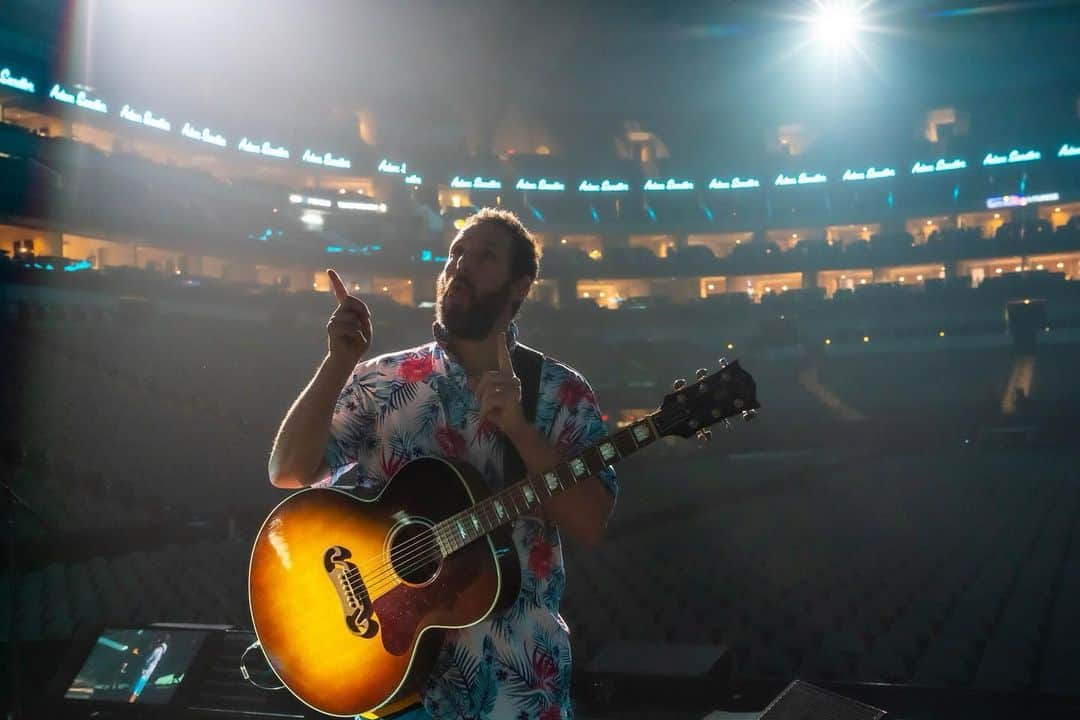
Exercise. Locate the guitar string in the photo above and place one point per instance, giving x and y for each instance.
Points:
(414, 547)
(420, 553)
(424, 548)
(528, 480)
(384, 575)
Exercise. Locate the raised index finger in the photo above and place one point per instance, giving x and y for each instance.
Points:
(505, 365)
(337, 286)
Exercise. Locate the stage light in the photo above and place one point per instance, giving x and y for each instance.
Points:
(836, 24)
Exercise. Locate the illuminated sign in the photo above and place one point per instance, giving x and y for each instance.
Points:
(204, 135)
(1014, 156)
(541, 184)
(317, 202)
(942, 165)
(81, 265)
(476, 183)
(669, 184)
(1068, 150)
(385, 166)
(604, 186)
(18, 83)
(80, 99)
(326, 160)
(146, 118)
(1020, 200)
(871, 173)
(414, 179)
(735, 183)
(266, 149)
(802, 179)
(363, 206)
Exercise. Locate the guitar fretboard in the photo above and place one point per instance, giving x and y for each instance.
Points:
(504, 507)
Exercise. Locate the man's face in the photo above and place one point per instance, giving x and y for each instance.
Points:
(475, 285)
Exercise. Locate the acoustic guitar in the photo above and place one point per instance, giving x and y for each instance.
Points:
(351, 598)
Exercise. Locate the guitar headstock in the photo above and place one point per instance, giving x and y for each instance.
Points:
(689, 410)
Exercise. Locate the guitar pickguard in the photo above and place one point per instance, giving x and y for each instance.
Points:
(356, 604)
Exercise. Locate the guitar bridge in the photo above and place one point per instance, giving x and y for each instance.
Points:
(356, 605)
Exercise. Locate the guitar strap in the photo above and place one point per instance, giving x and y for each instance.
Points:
(527, 364)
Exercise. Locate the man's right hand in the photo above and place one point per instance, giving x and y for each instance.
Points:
(349, 330)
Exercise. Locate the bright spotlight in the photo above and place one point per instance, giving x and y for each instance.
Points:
(836, 24)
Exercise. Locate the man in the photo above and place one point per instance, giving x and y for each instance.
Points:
(463, 401)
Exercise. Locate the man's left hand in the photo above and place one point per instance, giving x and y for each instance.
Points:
(499, 393)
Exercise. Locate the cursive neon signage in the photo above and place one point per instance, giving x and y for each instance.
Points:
(1068, 150)
(145, 118)
(414, 179)
(735, 183)
(542, 184)
(671, 184)
(79, 99)
(476, 183)
(870, 173)
(941, 165)
(385, 166)
(803, 178)
(21, 84)
(1014, 156)
(266, 149)
(203, 135)
(326, 160)
(604, 186)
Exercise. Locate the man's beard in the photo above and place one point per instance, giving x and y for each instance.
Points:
(476, 319)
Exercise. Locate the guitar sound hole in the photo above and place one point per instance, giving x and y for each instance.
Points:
(414, 553)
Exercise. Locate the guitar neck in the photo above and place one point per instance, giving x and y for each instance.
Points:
(504, 507)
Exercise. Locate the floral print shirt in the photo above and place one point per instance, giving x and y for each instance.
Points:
(404, 405)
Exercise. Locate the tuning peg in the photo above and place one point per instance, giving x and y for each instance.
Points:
(679, 384)
(725, 424)
(704, 434)
(702, 372)
(723, 362)
(749, 415)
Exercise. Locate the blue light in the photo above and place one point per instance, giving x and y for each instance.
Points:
(1014, 156)
(941, 165)
(17, 83)
(333, 249)
(671, 184)
(385, 166)
(81, 265)
(605, 186)
(803, 178)
(543, 184)
(425, 256)
(80, 99)
(476, 183)
(326, 160)
(652, 215)
(871, 173)
(595, 215)
(708, 213)
(735, 183)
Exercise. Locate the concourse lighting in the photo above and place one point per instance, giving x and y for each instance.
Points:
(836, 23)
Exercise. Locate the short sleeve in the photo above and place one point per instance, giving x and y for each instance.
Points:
(575, 418)
(353, 424)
